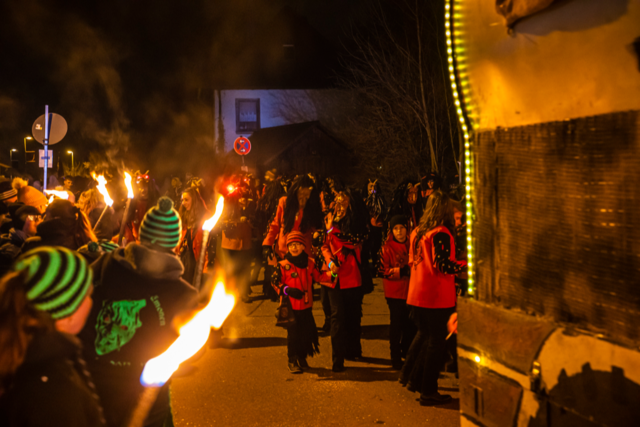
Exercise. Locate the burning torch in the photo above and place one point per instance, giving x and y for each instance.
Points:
(59, 194)
(193, 335)
(125, 215)
(206, 229)
(102, 188)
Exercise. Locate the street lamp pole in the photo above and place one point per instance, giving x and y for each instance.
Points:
(11, 157)
(71, 152)
(25, 150)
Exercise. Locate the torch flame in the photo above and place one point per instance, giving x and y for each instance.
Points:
(193, 335)
(55, 193)
(102, 188)
(127, 183)
(211, 222)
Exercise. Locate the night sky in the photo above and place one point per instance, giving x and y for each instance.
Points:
(134, 79)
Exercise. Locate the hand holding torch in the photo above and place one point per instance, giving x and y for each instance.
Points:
(193, 335)
(206, 230)
(125, 215)
(102, 188)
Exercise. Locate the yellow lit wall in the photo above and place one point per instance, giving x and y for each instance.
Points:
(572, 60)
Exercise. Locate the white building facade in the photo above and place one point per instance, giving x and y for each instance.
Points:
(239, 112)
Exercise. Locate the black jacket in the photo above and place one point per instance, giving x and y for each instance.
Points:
(50, 388)
(10, 248)
(106, 228)
(137, 294)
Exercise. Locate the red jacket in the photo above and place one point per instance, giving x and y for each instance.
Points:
(428, 286)
(197, 245)
(276, 230)
(346, 255)
(393, 257)
(301, 278)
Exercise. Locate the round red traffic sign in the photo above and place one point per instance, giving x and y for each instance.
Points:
(242, 146)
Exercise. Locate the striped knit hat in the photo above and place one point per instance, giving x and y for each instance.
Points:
(57, 279)
(296, 236)
(102, 246)
(7, 191)
(161, 225)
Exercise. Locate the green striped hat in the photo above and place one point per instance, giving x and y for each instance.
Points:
(102, 246)
(57, 279)
(161, 225)
(108, 246)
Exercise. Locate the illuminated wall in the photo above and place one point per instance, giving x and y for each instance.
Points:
(552, 111)
(574, 59)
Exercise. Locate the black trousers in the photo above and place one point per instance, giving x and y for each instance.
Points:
(427, 351)
(326, 305)
(346, 314)
(401, 329)
(256, 260)
(302, 338)
(375, 242)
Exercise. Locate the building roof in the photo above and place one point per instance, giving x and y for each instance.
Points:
(268, 144)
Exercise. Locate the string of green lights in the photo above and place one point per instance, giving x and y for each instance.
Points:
(458, 80)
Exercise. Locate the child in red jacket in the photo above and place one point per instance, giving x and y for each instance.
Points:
(294, 277)
(394, 258)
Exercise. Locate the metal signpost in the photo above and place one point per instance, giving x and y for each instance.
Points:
(48, 129)
(242, 146)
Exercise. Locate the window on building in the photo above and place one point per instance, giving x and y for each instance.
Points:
(247, 115)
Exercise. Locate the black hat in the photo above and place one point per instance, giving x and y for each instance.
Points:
(437, 181)
(13, 208)
(27, 210)
(19, 216)
(398, 219)
(7, 191)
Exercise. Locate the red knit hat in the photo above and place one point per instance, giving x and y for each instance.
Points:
(296, 236)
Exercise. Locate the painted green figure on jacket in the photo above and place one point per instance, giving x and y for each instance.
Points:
(117, 324)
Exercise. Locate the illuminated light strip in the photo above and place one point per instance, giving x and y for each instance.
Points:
(452, 15)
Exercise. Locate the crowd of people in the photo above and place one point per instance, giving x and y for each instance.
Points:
(89, 292)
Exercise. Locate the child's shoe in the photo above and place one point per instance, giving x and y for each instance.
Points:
(294, 368)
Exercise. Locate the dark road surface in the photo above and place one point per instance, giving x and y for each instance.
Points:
(244, 381)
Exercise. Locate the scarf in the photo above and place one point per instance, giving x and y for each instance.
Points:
(300, 261)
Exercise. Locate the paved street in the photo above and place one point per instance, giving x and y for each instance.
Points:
(243, 380)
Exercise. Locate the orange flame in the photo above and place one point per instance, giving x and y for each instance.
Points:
(211, 222)
(193, 335)
(127, 183)
(102, 188)
(55, 193)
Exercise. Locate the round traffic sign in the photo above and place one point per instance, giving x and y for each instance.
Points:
(242, 146)
(57, 128)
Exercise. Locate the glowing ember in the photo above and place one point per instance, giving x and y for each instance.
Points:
(230, 189)
(127, 183)
(211, 222)
(193, 336)
(59, 194)
(102, 188)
